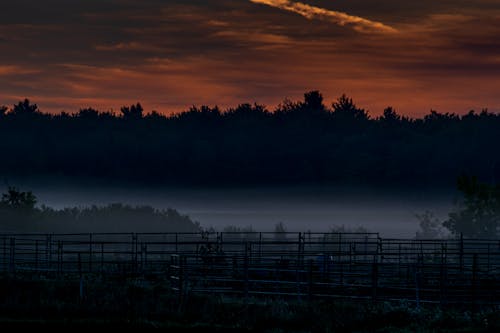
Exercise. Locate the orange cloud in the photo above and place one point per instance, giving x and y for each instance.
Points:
(312, 12)
(15, 70)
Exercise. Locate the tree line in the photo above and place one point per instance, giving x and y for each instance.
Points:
(19, 212)
(298, 142)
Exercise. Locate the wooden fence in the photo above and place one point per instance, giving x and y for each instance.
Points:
(299, 265)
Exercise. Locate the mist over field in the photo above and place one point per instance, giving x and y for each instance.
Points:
(390, 212)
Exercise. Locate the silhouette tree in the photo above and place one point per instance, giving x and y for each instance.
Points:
(345, 110)
(390, 116)
(88, 113)
(430, 226)
(247, 111)
(19, 200)
(478, 215)
(313, 100)
(25, 108)
(133, 112)
(3, 110)
(300, 142)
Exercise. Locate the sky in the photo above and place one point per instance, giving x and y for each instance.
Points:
(171, 54)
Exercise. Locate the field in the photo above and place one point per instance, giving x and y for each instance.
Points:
(294, 280)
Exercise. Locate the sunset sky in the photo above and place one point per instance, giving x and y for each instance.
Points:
(171, 54)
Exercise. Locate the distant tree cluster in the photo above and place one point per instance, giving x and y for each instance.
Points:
(477, 215)
(298, 142)
(19, 213)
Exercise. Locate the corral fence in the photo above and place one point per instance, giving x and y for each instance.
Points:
(252, 264)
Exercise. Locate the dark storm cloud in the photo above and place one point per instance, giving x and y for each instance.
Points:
(171, 54)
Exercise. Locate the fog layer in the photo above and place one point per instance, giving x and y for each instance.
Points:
(389, 212)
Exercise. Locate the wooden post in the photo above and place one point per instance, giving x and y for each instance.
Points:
(489, 253)
(245, 267)
(182, 277)
(260, 247)
(444, 273)
(90, 252)
(475, 265)
(102, 257)
(36, 256)
(177, 243)
(299, 263)
(310, 278)
(134, 251)
(59, 257)
(12, 261)
(374, 278)
(418, 277)
(49, 251)
(351, 246)
(341, 273)
(297, 279)
(461, 252)
(220, 241)
(340, 245)
(145, 250)
(80, 273)
(299, 248)
(178, 276)
(399, 260)
(380, 250)
(366, 247)
(5, 264)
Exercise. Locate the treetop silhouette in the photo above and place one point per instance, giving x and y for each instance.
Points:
(298, 142)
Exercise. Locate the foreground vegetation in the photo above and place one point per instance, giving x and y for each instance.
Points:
(134, 302)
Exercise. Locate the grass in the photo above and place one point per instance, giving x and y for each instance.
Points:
(137, 303)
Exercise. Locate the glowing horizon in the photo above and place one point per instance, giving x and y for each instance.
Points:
(170, 56)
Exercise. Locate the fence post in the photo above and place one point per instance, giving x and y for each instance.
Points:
(48, 252)
(341, 272)
(176, 276)
(102, 257)
(310, 278)
(418, 277)
(399, 261)
(374, 277)
(145, 250)
(299, 246)
(80, 273)
(351, 250)
(474, 278)
(245, 267)
(5, 265)
(299, 264)
(59, 257)
(12, 263)
(176, 243)
(461, 252)
(260, 247)
(90, 252)
(340, 248)
(489, 253)
(134, 251)
(444, 274)
(36, 256)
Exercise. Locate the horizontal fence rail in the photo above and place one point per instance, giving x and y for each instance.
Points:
(251, 264)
